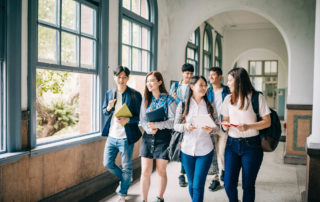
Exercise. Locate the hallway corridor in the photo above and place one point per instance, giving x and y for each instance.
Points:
(277, 182)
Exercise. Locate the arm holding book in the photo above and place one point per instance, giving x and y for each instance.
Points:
(171, 114)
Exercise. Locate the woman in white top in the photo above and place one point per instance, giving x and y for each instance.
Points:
(197, 144)
(243, 147)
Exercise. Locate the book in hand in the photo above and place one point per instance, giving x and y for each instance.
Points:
(203, 120)
(156, 115)
(124, 111)
(228, 124)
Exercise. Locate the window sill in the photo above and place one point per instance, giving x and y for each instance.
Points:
(11, 157)
(56, 146)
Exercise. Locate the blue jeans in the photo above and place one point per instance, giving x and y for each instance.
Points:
(197, 168)
(245, 153)
(113, 146)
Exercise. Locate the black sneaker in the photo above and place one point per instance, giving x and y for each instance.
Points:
(182, 181)
(214, 185)
(222, 176)
(159, 200)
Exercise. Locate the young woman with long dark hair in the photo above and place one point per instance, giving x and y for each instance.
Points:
(197, 147)
(157, 135)
(243, 147)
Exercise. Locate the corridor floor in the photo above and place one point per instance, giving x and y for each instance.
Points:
(277, 182)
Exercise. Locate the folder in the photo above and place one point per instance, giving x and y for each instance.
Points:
(203, 120)
(124, 111)
(157, 115)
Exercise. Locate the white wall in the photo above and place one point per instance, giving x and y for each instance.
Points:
(294, 19)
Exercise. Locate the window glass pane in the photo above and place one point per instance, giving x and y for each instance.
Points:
(216, 52)
(136, 55)
(88, 16)
(47, 44)
(144, 9)
(274, 68)
(87, 52)
(136, 6)
(70, 13)
(190, 53)
(126, 55)
(137, 82)
(64, 104)
(267, 67)
(192, 38)
(126, 4)
(145, 38)
(206, 61)
(257, 83)
(136, 38)
(145, 61)
(126, 31)
(258, 68)
(206, 42)
(69, 47)
(48, 11)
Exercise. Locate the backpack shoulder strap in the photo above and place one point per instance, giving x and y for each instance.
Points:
(255, 102)
(176, 85)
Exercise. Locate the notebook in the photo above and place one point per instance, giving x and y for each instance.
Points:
(124, 111)
(156, 115)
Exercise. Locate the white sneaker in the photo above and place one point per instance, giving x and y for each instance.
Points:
(122, 199)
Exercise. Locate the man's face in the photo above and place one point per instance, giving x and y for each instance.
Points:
(121, 80)
(214, 77)
(187, 76)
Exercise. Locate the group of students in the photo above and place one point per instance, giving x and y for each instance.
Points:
(232, 144)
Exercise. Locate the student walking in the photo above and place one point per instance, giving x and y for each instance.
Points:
(243, 147)
(197, 147)
(216, 94)
(179, 91)
(157, 135)
(122, 132)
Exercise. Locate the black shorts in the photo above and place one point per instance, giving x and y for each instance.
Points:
(156, 146)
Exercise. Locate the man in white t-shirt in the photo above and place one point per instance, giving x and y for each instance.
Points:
(216, 94)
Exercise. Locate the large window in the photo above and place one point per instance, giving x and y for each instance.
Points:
(218, 52)
(193, 50)
(138, 37)
(66, 70)
(207, 50)
(264, 77)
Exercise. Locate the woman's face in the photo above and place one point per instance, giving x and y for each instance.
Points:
(199, 88)
(231, 82)
(153, 83)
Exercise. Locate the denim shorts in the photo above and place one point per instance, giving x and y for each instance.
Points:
(156, 146)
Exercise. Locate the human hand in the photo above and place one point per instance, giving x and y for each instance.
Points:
(174, 95)
(122, 120)
(111, 104)
(152, 125)
(243, 127)
(207, 129)
(225, 125)
(190, 127)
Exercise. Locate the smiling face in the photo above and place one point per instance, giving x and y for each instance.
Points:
(231, 83)
(153, 83)
(214, 77)
(121, 79)
(199, 88)
(187, 76)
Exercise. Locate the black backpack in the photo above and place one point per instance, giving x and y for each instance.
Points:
(269, 136)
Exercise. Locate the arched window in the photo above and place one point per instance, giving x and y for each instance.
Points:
(218, 52)
(192, 50)
(207, 50)
(138, 35)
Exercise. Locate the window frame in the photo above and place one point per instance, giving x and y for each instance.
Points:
(98, 72)
(151, 24)
(208, 31)
(218, 58)
(2, 58)
(196, 47)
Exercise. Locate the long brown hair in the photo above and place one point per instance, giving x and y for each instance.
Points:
(242, 86)
(193, 81)
(147, 93)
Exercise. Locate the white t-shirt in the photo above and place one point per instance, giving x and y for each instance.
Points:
(196, 142)
(183, 89)
(116, 129)
(244, 116)
(218, 101)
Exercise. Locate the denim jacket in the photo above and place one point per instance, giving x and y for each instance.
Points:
(176, 87)
(132, 130)
(225, 92)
